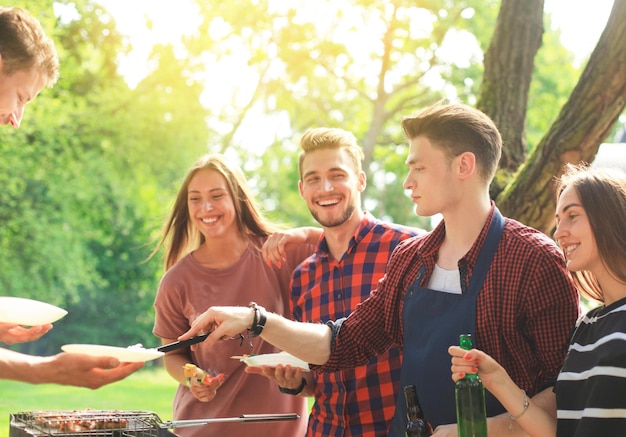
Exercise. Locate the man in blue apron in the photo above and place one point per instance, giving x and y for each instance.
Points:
(476, 272)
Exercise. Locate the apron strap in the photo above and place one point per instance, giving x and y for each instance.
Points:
(433, 320)
(487, 253)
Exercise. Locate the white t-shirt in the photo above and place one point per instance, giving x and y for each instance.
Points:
(448, 281)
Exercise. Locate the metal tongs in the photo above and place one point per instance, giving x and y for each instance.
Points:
(243, 418)
(183, 343)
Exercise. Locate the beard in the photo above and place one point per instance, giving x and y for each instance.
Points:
(331, 223)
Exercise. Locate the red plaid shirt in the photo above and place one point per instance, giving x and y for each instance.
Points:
(359, 401)
(525, 311)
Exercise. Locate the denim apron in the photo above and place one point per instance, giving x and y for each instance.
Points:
(433, 321)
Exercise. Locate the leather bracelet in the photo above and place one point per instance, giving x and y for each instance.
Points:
(258, 323)
(293, 391)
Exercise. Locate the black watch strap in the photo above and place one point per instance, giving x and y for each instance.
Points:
(293, 391)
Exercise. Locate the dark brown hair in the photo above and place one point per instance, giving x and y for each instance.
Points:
(602, 193)
(458, 128)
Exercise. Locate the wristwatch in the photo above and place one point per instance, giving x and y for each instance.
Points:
(293, 391)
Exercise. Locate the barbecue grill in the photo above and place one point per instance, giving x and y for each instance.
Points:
(100, 423)
(113, 423)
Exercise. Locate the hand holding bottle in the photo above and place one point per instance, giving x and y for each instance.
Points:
(521, 408)
(470, 400)
(472, 361)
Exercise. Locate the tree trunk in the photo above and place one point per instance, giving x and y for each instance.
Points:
(509, 63)
(378, 111)
(583, 123)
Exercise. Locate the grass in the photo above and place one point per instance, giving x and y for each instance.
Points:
(145, 390)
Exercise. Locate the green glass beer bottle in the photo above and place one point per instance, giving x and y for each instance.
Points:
(471, 416)
(416, 425)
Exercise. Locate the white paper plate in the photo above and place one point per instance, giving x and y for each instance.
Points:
(124, 354)
(274, 360)
(28, 312)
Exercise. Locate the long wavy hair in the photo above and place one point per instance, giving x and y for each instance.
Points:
(602, 193)
(179, 236)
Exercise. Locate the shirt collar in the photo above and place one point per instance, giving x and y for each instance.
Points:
(431, 243)
(365, 226)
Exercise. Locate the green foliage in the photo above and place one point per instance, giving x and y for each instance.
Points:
(277, 186)
(41, 231)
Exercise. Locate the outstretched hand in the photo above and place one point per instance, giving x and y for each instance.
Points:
(83, 370)
(11, 333)
(221, 322)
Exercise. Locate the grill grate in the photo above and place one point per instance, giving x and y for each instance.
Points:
(87, 423)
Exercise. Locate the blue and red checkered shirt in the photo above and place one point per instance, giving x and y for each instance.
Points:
(360, 401)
